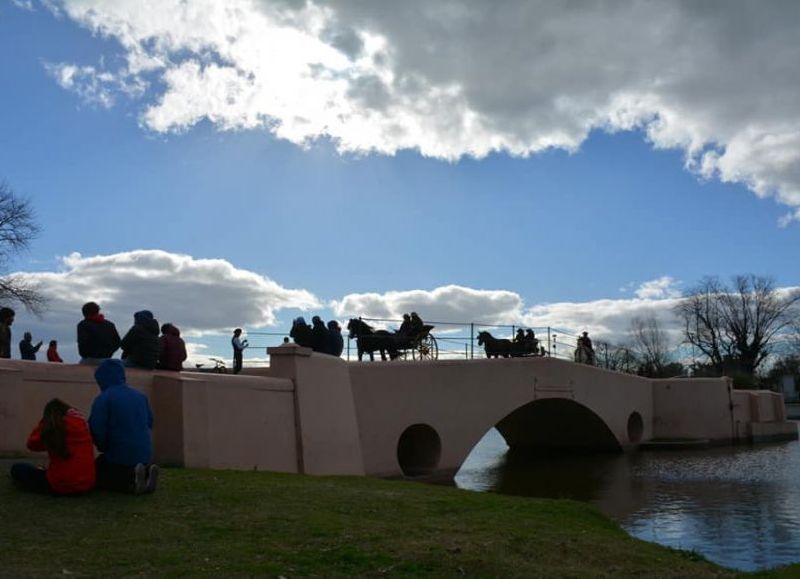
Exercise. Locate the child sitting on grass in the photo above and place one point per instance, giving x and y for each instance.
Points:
(64, 434)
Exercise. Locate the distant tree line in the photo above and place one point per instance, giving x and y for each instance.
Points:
(732, 330)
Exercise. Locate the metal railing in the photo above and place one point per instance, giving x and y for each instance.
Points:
(456, 340)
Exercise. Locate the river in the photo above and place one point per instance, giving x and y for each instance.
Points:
(738, 506)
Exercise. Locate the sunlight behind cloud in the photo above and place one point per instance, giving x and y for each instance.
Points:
(452, 79)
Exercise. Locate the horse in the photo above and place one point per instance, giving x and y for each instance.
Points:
(583, 355)
(495, 346)
(369, 340)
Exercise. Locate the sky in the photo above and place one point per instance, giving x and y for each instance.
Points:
(240, 163)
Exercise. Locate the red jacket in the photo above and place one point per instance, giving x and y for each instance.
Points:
(74, 474)
(52, 355)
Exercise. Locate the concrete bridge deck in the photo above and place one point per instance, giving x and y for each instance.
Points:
(312, 413)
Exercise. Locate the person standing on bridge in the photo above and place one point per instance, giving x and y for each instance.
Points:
(6, 319)
(27, 351)
(238, 350)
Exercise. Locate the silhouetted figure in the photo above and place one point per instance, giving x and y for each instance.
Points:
(239, 346)
(6, 319)
(52, 352)
(64, 434)
(121, 423)
(97, 337)
(584, 353)
(520, 337)
(417, 325)
(171, 349)
(335, 341)
(319, 334)
(27, 351)
(301, 332)
(140, 344)
(531, 343)
(405, 327)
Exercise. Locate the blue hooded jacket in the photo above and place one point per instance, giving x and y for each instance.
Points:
(121, 419)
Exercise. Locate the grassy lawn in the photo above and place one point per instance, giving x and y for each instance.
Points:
(226, 523)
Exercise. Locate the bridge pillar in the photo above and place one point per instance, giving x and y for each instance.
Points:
(326, 427)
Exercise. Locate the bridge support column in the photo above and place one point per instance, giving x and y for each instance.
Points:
(325, 414)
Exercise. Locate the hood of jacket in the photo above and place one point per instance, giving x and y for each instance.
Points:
(109, 373)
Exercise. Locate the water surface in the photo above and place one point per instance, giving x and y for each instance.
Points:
(738, 506)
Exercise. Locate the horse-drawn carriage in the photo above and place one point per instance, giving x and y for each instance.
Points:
(420, 344)
(503, 348)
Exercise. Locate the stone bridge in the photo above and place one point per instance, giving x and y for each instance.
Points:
(316, 414)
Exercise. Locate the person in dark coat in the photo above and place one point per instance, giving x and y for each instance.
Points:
(97, 337)
(121, 423)
(405, 327)
(334, 342)
(172, 349)
(140, 345)
(319, 335)
(301, 332)
(6, 319)
(417, 325)
(27, 351)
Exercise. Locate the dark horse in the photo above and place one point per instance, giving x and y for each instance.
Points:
(496, 347)
(370, 340)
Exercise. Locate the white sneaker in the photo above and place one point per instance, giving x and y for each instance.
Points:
(139, 474)
(152, 478)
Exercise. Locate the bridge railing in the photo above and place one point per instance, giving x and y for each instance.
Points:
(456, 340)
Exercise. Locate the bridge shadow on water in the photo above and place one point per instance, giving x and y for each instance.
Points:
(738, 506)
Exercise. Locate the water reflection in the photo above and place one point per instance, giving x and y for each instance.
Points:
(738, 506)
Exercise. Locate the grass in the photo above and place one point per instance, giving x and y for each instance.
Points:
(228, 524)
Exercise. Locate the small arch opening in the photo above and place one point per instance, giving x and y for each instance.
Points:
(419, 450)
(635, 427)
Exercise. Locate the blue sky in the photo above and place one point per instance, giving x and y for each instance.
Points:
(590, 219)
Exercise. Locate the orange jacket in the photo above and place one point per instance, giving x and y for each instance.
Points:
(75, 474)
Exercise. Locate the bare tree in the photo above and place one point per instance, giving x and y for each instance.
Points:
(615, 357)
(17, 228)
(651, 345)
(735, 327)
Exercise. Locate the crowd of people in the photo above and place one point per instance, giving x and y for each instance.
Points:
(120, 427)
(146, 344)
(320, 337)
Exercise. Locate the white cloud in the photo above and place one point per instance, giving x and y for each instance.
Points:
(715, 79)
(200, 296)
(444, 304)
(607, 318)
(24, 4)
(663, 287)
(96, 87)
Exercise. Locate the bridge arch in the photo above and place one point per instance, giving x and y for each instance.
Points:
(560, 424)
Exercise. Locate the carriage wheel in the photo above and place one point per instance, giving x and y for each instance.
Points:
(426, 348)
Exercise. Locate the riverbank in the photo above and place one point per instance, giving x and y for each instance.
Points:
(228, 523)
